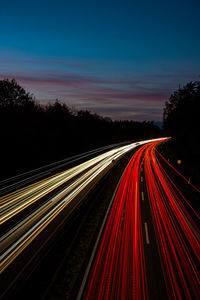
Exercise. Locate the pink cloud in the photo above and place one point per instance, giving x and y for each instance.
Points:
(111, 96)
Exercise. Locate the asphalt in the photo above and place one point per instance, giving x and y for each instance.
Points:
(155, 281)
(44, 260)
(41, 277)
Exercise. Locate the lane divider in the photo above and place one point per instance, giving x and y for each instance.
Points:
(146, 233)
(142, 196)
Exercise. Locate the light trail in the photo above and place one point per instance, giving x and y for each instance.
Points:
(15, 202)
(83, 177)
(17, 181)
(177, 234)
(119, 270)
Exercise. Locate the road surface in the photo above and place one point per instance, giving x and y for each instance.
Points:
(150, 245)
(27, 212)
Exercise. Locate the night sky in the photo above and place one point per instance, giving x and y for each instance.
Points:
(118, 58)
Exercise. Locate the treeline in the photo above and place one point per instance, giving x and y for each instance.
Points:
(181, 120)
(33, 135)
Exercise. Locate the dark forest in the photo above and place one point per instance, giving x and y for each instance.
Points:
(33, 135)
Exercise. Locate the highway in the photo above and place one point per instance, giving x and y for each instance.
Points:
(20, 180)
(28, 210)
(149, 247)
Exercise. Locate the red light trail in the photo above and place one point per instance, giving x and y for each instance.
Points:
(119, 269)
(177, 234)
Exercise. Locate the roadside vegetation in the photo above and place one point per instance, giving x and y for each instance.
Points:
(182, 122)
(33, 135)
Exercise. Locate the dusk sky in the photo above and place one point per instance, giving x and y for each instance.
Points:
(118, 58)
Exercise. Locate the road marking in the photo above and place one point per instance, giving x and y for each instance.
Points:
(141, 179)
(142, 196)
(146, 233)
(141, 169)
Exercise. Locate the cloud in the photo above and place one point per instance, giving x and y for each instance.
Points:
(132, 95)
(119, 99)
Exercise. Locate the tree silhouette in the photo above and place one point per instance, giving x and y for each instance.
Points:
(32, 135)
(181, 119)
(12, 94)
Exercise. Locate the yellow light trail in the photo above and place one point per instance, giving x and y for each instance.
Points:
(85, 176)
